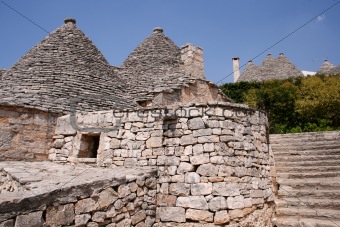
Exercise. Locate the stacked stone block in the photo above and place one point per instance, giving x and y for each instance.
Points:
(132, 203)
(213, 159)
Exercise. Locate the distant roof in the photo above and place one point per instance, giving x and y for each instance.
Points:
(153, 67)
(326, 68)
(271, 68)
(2, 71)
(60, 68)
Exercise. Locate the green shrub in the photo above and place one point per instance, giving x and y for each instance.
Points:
(303, 104)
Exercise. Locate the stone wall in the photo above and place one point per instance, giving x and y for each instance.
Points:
(129, 199)
(25, 134)
(199, 91)
(213, 159)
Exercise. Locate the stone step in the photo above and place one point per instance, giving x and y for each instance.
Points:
(308, 202)
(323, 214)
(331, 135)
(307, 152)
(299, 158)
(308, 175)
(303, 147)
(307, 169)
(331, 183)
(308, 163)
(304, 222)
(287, 191)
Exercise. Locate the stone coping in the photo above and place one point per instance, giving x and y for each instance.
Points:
(47, 181)
(186, 105)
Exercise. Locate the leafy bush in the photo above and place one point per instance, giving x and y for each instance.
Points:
(294, 105)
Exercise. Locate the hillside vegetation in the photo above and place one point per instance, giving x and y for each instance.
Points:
(294, 105)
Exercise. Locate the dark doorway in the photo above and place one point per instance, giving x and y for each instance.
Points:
(89, 146)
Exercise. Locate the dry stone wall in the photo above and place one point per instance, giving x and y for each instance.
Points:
(25, 134)
(127, 200)
(213, 159)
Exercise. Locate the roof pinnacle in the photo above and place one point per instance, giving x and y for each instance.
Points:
(158, 30)
(70, 20)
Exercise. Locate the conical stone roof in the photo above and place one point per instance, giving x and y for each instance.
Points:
(271, 68)
(326, 68)
(154, 66)
(285, 68)
(250, 72)
(62, 72)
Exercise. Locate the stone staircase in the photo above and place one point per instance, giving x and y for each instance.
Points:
(308, 179)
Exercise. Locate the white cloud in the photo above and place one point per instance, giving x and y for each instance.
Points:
(320, 18)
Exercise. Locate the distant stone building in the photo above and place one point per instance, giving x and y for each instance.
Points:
(271, 68)
(328, 69)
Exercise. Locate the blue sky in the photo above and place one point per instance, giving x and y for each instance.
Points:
(223, 28)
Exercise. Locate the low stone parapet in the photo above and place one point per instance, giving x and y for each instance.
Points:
(63, 195)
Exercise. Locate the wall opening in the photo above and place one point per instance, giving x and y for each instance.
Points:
(89, 145)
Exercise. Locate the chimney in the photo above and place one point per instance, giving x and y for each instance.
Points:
(236, 68)
(192, 61)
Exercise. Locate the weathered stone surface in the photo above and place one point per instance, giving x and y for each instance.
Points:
(33, 219)
(60, 215)
(115, 143)
(196, 123)
(208, 170)
(154, 142)
(99, 216)
(235, 214)
(221, 217)
(208, 139)
(256, 194)
(168, 160)
(225, 171)
(209, 147)
(218, 203)
(92, 224)
(197, 149)
(8, 223)
(166, 200)
(192, 177)
(188, 140)
(199, 215)
(199, 159)
(123, 190)
(106, 198)
(195, 202)
(179, 189)
(64, 126)
(151, 183)
(138, 217)
(201, 189)
(82, 219)
(85, 206)
(184, 167)
(236, 202)
(202, 132)
(175, 214)
(226, 189)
